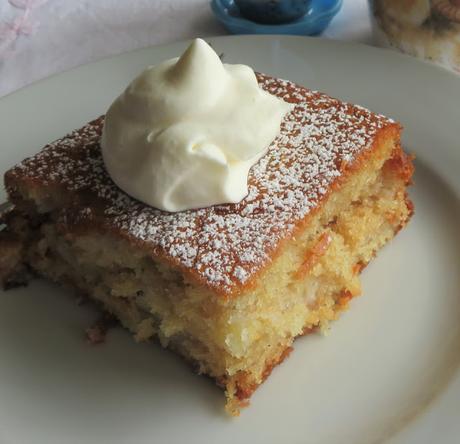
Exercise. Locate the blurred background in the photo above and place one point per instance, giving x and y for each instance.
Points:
(59, 34)
(42, 37)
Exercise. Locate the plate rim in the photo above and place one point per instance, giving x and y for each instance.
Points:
(328, 41)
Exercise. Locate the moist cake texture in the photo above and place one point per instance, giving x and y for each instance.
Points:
(230, 286)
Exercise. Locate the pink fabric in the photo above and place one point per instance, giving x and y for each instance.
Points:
(22, 24)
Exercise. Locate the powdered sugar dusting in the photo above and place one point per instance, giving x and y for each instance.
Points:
(223, 246)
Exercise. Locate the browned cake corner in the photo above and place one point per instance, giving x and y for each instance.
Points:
(229, 287)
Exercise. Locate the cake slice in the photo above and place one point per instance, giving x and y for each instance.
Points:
(228, 287)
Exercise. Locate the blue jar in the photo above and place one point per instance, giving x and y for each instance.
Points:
(273, 11)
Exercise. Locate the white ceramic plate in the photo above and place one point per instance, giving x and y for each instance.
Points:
(388, 371)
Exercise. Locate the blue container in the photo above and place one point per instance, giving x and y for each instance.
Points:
(272, 12)
(314, 21)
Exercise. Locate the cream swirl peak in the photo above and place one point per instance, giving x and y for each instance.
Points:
(185, 133)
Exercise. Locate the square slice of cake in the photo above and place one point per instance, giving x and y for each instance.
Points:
(228, 287)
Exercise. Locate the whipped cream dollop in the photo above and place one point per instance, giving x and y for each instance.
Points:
(185, 133)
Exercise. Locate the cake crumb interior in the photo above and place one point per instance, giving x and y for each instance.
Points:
(236, 340)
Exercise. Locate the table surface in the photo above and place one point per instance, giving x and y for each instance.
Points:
(41, 37)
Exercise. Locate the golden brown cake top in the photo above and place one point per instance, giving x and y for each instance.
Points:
(224, 246)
